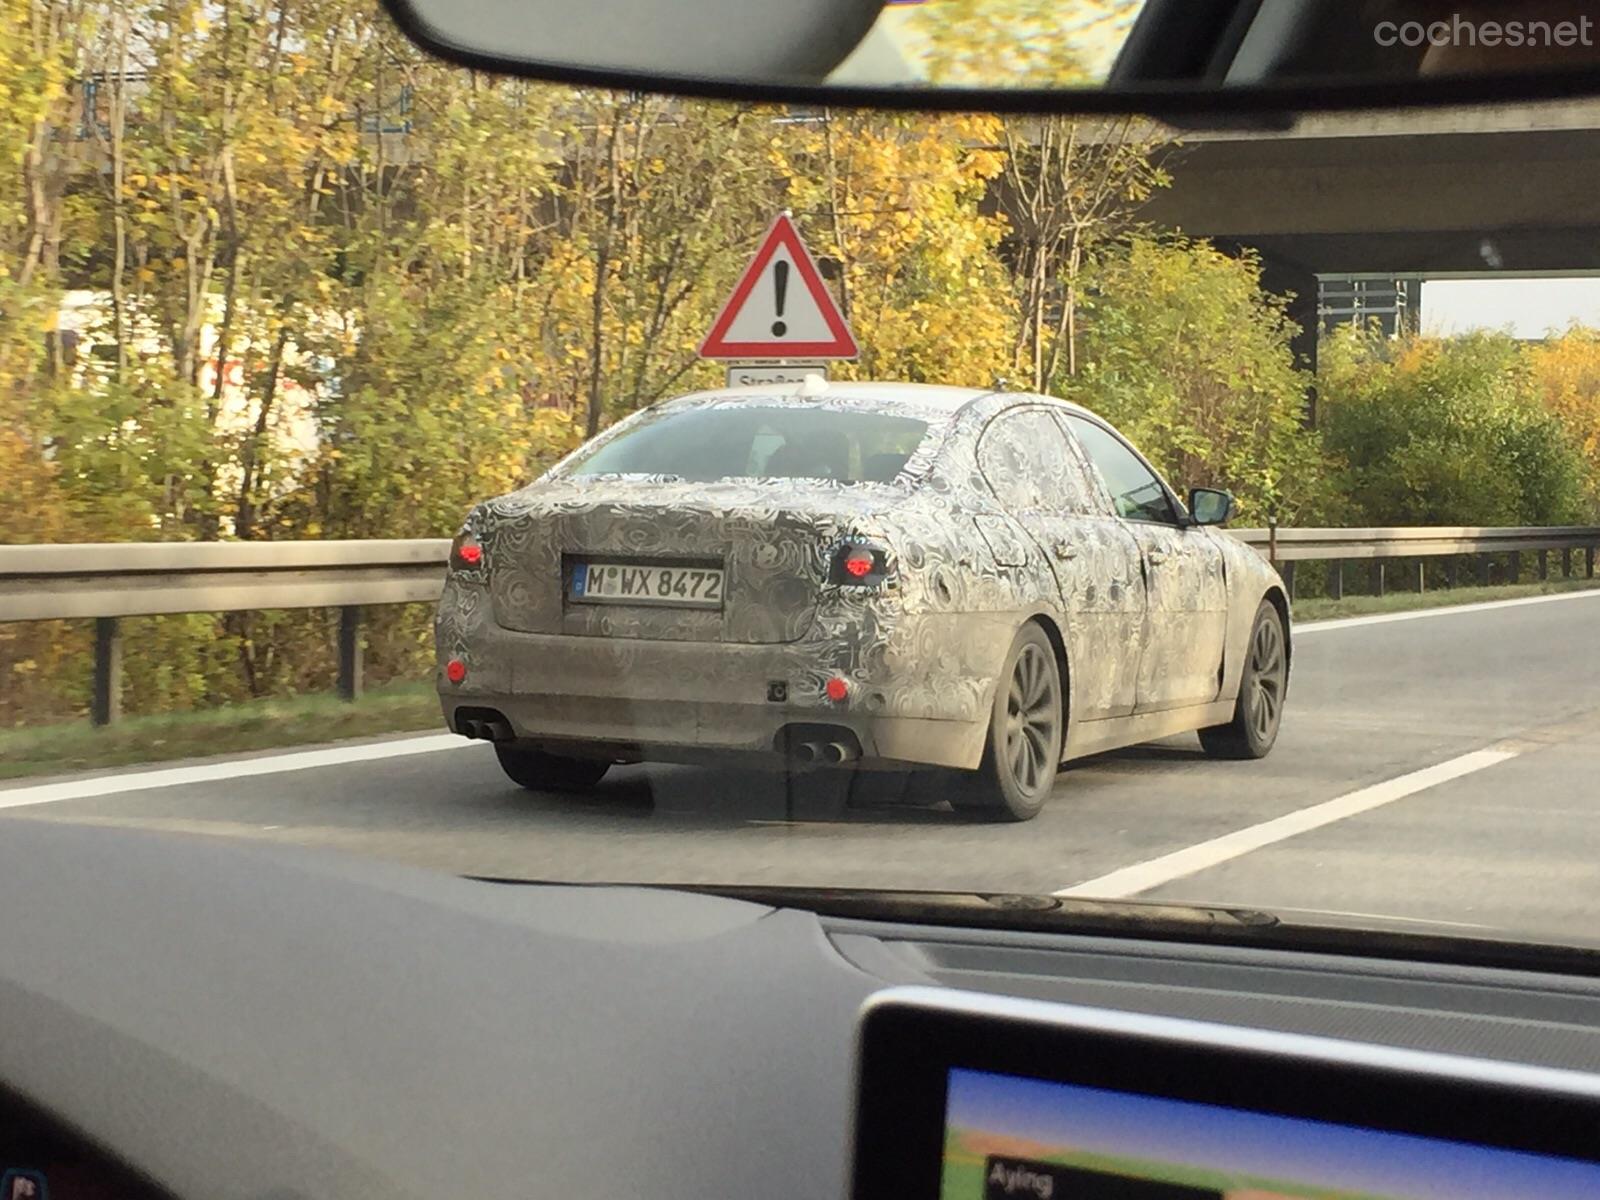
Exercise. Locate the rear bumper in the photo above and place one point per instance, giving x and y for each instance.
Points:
(918, 693)
(697, 731)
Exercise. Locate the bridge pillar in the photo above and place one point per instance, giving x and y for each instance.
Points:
(1297, 283)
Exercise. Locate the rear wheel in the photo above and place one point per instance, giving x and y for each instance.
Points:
(541, 772)
(1023, 751)
(1258, 713)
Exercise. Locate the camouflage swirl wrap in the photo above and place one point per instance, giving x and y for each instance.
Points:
(920, 651)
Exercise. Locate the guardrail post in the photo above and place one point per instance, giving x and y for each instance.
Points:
(1544, 564)
(1422, 579)
(1336, 579)
(105, 705)
(1566, 562)
(349, 652)
(1377, 577)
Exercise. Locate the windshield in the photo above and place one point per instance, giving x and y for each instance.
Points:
(777, 442)
(487, 475)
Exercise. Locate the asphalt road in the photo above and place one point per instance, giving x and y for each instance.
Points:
(1443, 767)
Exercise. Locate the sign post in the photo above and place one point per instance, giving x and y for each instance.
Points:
(780, 323)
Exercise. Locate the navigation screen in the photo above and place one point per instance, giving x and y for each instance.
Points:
(1008, 1138)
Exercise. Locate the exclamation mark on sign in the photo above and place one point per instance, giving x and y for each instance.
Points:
(780, 285)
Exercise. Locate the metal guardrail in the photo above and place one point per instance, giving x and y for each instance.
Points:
(132, 579)
(107, 581)
(1284, 548)
(1417, 541)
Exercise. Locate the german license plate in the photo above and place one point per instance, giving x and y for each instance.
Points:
(629, 583)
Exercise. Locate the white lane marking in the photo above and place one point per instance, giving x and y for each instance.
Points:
(1444, 610)
(1141, 877)
(272, 764)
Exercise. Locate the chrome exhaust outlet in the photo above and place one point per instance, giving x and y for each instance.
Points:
(839, 752)
(807, 752)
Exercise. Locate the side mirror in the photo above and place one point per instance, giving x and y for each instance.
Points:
(1210, 506)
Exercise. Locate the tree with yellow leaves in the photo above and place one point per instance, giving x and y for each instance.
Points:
(1566, 375)
(893, 205)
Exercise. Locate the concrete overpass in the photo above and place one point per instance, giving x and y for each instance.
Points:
(1502, 191)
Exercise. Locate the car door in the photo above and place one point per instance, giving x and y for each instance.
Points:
(1183, 565)
(1040, 480)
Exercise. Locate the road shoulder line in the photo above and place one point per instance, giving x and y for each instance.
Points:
(237, 768)
(1443, 610)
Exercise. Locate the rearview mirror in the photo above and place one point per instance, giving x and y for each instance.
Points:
(1190, 57)
(1210, 506)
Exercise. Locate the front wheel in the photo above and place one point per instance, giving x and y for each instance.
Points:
(1023, 751)
(1258, 713)
(541, 772)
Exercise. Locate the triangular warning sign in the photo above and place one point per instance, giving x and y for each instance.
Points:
(780, 308)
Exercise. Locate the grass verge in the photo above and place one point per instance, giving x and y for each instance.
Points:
(256, 725)
(1323, 609)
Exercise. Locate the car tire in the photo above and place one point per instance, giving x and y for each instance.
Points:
(541, 772)
(1258, 713)
(1023, 751)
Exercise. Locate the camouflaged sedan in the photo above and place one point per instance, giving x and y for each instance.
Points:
(885, 575)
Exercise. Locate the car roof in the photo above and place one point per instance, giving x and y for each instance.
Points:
(937, 397)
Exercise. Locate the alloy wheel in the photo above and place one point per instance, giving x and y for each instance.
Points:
(1033, 721)
(1268, 674)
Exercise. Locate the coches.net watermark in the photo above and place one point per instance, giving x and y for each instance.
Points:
(1460, 31)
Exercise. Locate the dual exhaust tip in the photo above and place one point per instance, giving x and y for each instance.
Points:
(491, 729)
(495, 728)
(829, 753)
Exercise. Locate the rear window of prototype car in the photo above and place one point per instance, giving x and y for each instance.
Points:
(703, 445)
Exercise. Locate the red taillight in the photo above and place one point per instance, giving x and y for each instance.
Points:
(838, 690)
(859, 564)
(455, 670)
(466, 552)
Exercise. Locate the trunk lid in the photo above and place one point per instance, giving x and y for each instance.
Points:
(772, 540)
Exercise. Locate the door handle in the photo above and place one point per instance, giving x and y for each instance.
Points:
(1064, 551)
(1156, 557)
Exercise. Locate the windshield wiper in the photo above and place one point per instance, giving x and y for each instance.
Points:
(986, 910)
(1375, 937)
(1000, 910)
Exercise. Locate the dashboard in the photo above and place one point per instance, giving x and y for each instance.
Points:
(236, 1020)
